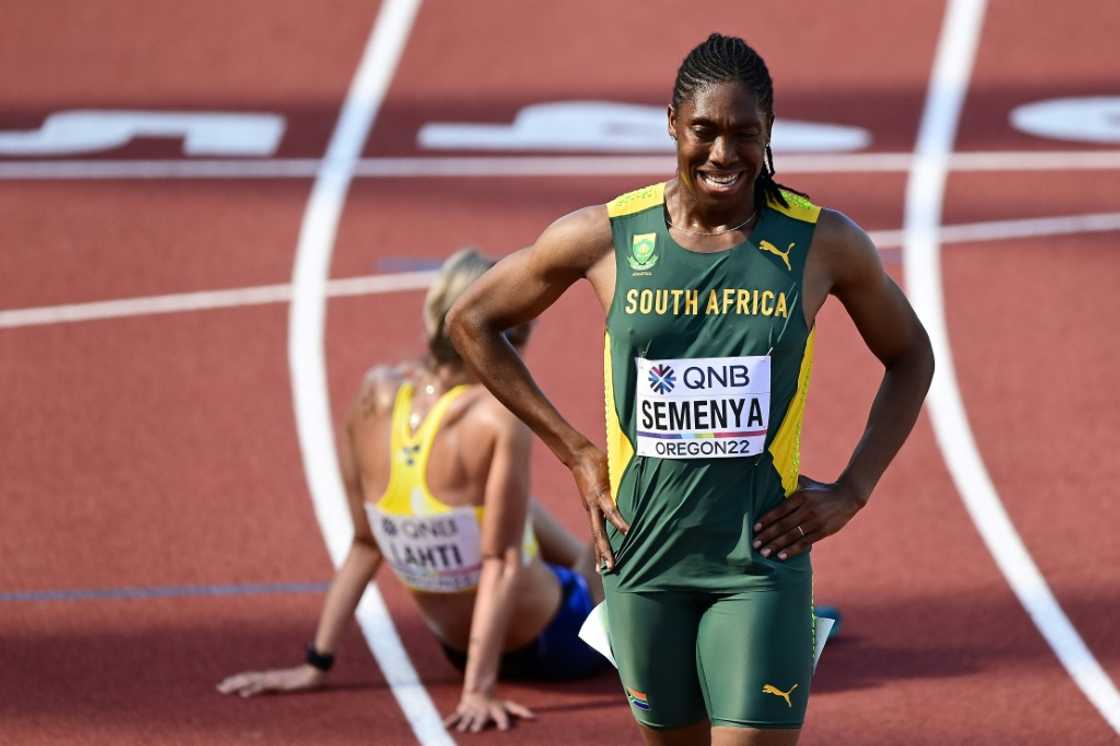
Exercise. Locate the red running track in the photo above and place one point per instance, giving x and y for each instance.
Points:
(160, 450)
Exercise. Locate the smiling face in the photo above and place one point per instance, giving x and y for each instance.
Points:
(721, 135)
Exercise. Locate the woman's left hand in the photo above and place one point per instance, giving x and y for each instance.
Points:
(476, 710)
(815, 510)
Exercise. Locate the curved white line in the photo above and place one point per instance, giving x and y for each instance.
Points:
(922, 268)
(305, 351)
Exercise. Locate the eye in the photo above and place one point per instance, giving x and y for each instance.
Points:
(703, 132)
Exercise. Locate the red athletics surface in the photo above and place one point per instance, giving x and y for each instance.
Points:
(161, 451)
(125, 239)
(590, 51)
(208, 55)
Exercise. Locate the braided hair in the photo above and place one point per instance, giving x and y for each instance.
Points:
(722, 59)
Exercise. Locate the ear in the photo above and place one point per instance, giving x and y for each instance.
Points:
(672, 117)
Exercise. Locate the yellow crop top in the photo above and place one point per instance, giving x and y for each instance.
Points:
(431, 546)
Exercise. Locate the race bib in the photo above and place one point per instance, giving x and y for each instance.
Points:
(439, 553)
(710, 407)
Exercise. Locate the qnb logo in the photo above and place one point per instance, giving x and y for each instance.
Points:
(662, 379)
(712, 376)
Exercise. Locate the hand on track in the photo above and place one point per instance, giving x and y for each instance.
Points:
(815, 510)
(250, 683)
(476, 710)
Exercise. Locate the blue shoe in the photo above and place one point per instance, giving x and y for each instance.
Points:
(833, 613)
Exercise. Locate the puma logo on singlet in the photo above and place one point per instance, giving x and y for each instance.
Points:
(771, 248)
(771, 689)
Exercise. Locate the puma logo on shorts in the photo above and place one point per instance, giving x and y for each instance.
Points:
(771, 689)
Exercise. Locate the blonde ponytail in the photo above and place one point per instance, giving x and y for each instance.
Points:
(455, 275)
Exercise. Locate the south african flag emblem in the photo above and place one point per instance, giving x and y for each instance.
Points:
(637, 699)
(643, 252)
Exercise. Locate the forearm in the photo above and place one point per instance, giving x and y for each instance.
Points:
(493, 608)
(893, 414)
(346, 590)
(500, 369)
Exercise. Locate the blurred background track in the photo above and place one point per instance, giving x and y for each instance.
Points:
(159, 451)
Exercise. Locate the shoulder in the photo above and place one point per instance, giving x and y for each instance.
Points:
(797, 207)
(574, 242)
(586, 235)
(378, 390)
(586, 224)
(581, 238)
(845, 248)
(637, 200)
(492, 415)
(485, 428)
(485, 423)
(837, 230)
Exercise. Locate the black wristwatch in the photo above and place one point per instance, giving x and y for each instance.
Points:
(315, 659)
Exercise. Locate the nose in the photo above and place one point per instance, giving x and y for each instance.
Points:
(722, 152)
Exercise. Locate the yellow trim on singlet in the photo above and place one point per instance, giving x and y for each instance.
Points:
(786, 446)
(799, 207)
(407, 493)
(637, 200)
(619, 448)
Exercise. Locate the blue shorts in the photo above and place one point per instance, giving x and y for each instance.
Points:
(557, 654)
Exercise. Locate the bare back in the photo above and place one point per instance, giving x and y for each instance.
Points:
(461, 468)
(456, 473)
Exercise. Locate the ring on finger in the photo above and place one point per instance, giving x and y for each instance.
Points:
(801, 531)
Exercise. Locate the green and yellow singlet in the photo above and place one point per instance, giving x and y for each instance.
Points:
(706, 362)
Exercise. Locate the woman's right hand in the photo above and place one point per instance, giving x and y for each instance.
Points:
(300, 678)
(592, 479)
(476, 710)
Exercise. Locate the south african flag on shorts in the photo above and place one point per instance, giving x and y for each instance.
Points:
(637, 699)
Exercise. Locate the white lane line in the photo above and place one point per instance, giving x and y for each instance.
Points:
(1079, 160)
(921, 264)
(994, 230)
(142, 306)
(193, 168)
(208, 299)
(1002, 230)
(606, 165)
(306, 355)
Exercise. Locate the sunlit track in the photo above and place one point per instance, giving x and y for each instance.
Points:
(307, 362)
(948, 86)
(306, 168)
(173, 382)
(995, 230)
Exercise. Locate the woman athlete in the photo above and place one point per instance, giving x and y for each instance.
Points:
(710, 283)
(437, 480)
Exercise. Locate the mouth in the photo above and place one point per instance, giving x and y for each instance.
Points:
(721, 181)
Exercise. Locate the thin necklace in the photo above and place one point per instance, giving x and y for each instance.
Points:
(693, 232)
(414, 418)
